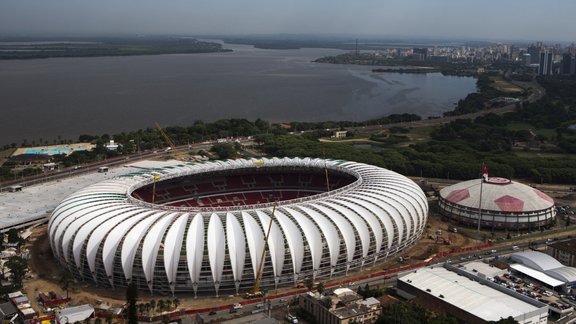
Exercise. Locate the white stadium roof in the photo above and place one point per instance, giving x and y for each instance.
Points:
(103, 231)
(480, 300)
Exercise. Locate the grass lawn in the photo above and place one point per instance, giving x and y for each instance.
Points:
(502, 85)
(547, 132)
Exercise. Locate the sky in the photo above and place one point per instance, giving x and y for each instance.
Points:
(546, 20)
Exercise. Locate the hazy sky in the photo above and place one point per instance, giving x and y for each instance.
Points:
(488, 19)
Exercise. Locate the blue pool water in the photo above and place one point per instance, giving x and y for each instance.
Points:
(53, 150)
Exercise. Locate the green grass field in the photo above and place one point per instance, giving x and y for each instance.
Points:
(538, 131)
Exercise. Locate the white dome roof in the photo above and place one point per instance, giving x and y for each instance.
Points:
(498, 194)
(104, 233)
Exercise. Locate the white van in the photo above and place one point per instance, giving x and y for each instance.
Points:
(515, 248)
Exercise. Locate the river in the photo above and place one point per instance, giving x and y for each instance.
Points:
(46, 99)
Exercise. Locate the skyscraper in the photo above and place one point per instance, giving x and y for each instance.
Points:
(545, 67)
(567, 64)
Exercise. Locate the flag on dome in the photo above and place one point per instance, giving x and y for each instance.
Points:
(484, 172)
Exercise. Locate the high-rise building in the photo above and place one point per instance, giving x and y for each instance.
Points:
(420, 54)
(534, 52)
(545, 67)
(526, 59)
(567, 67)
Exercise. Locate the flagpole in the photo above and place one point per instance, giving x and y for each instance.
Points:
(483, 177)
(480, 203)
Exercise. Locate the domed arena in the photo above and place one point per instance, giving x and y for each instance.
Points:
(201, 227)
(501, 203)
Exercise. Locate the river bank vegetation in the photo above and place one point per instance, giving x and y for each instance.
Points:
(91, 47)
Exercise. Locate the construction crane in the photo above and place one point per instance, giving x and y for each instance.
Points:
(171, 145)
(166, 137)
(156, 178)
(256, 292)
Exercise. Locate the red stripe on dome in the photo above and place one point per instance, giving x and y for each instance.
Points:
(509, 204)
(544, 196)
(458, 195)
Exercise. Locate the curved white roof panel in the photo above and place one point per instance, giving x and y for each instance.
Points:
(173, 246)
(216, 247)
(195, 247)
(542, 262)
(236, 246)
(365, 217)
(255, 238)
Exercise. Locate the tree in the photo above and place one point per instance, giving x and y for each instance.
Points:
(176, 302)
(508, 320)
(160, 305)
(66, 280)
(131, 296)
(224, 151)
(168, 304)
(18, 267)
(320, 287)
(13, 236)
(153, 305)
(309, 283)
(98, 320)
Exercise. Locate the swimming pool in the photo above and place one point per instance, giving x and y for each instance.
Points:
(53, 150)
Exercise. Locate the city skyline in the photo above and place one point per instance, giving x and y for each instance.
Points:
(489, 20)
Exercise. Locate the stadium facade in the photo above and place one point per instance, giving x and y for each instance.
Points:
(500, 203)
(201, 227)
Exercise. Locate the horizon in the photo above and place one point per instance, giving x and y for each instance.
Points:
(489, 20)
(362, 38)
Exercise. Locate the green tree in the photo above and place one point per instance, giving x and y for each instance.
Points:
(18, 267)
(508, 320)
(309, 283)
(320, 287)
(66, 280)
(131, 297)
(224, 151)
(168, 304)
(98, 320)
(176, 302)
(153, 305)
(160, 305)
(13, 236)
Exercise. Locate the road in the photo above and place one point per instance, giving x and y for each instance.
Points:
(92, 167)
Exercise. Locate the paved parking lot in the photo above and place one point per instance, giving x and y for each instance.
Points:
(37, 201)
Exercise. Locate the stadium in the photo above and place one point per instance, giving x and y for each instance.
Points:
(201, 227)
(505, 204)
